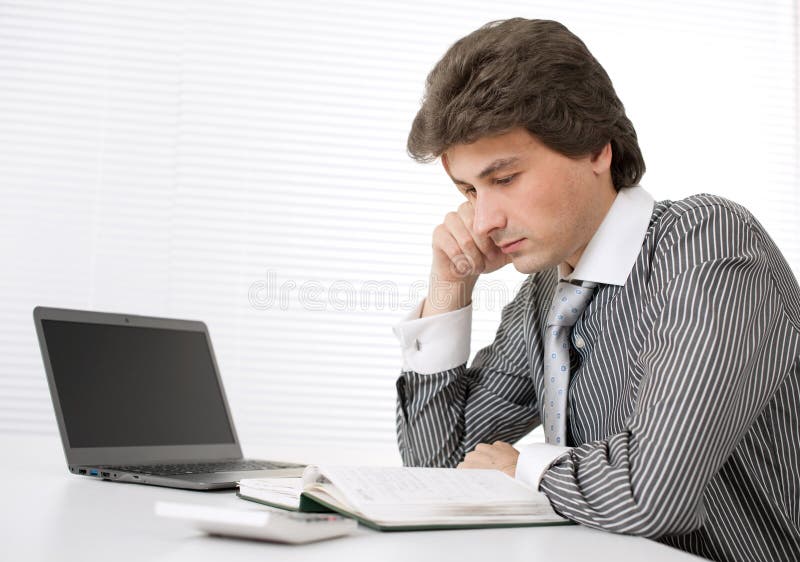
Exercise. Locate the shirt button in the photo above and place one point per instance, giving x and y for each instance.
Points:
(416, 345)
(579, 343)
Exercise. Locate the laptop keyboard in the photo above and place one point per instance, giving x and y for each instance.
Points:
(202, 468)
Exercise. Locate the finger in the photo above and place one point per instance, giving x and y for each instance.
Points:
(477, 457)
(484, 448)
(466, 211)
(477, 454)
(465, 240)
(461, 264)
(477, 460)
(473, 464)
(444, 241)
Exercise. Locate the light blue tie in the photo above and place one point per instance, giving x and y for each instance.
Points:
(569, 302)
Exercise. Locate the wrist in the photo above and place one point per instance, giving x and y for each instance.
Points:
(448, 295)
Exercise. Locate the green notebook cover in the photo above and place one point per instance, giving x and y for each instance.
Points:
(307, 505)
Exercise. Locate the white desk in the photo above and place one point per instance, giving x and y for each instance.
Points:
(49, 514)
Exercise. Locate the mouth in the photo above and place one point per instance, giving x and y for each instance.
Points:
(512, 246)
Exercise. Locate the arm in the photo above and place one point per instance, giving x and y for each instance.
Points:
(442, 415)
(705, 379)
(445, 409)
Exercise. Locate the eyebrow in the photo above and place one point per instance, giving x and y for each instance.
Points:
(496, 166)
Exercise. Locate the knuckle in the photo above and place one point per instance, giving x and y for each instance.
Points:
(452, 248)
(466, 242)
(451, 216)
(438, 235)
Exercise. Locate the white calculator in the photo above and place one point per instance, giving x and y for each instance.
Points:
(260, 524)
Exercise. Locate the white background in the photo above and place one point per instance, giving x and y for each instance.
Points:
(243, 163)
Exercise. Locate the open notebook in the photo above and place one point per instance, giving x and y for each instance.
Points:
(397, 498)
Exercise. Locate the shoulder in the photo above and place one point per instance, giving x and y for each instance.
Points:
(700, 231)
(700, 214)
(704, 228)
(708, 236)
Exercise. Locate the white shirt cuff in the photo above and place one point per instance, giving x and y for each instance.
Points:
(435, 343)
(534, 460)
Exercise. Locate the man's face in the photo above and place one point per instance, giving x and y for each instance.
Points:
(539, 206)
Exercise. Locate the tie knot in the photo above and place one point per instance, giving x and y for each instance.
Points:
(569, 302)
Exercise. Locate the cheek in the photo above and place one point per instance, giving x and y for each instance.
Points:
(556, 212)
(553, 197)
(567, 195)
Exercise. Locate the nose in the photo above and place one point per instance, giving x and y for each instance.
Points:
(489, 213)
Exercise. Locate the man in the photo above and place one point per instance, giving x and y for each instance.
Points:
(658, 343)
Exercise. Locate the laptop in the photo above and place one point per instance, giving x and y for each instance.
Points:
(140, 399)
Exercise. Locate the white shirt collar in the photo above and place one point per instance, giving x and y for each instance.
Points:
(611, 253)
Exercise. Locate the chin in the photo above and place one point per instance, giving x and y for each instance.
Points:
(530, 264)
(524, 267)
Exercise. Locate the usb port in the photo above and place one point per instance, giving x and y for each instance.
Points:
(81, 471)
(105, 474)
(93, 472)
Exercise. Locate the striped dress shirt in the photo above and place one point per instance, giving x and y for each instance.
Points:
(684, 400)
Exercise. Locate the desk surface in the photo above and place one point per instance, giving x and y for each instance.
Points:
(50, 514)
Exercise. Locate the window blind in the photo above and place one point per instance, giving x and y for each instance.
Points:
(243, 163)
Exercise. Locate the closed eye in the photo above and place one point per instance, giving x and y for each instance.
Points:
(505, 180)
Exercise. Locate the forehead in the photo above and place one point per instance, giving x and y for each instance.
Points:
(498, 151)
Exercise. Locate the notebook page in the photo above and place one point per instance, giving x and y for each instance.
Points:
(365, 487)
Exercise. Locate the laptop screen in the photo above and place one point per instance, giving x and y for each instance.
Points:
(121, 386)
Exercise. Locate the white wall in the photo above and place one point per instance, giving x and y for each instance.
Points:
(198, 159)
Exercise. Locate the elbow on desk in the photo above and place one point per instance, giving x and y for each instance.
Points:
(650, 520)
(659, 513)
(669, 519)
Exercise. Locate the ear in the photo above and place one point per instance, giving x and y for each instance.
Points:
(601, 160)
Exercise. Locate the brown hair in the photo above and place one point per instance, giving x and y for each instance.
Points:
(530, 73)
